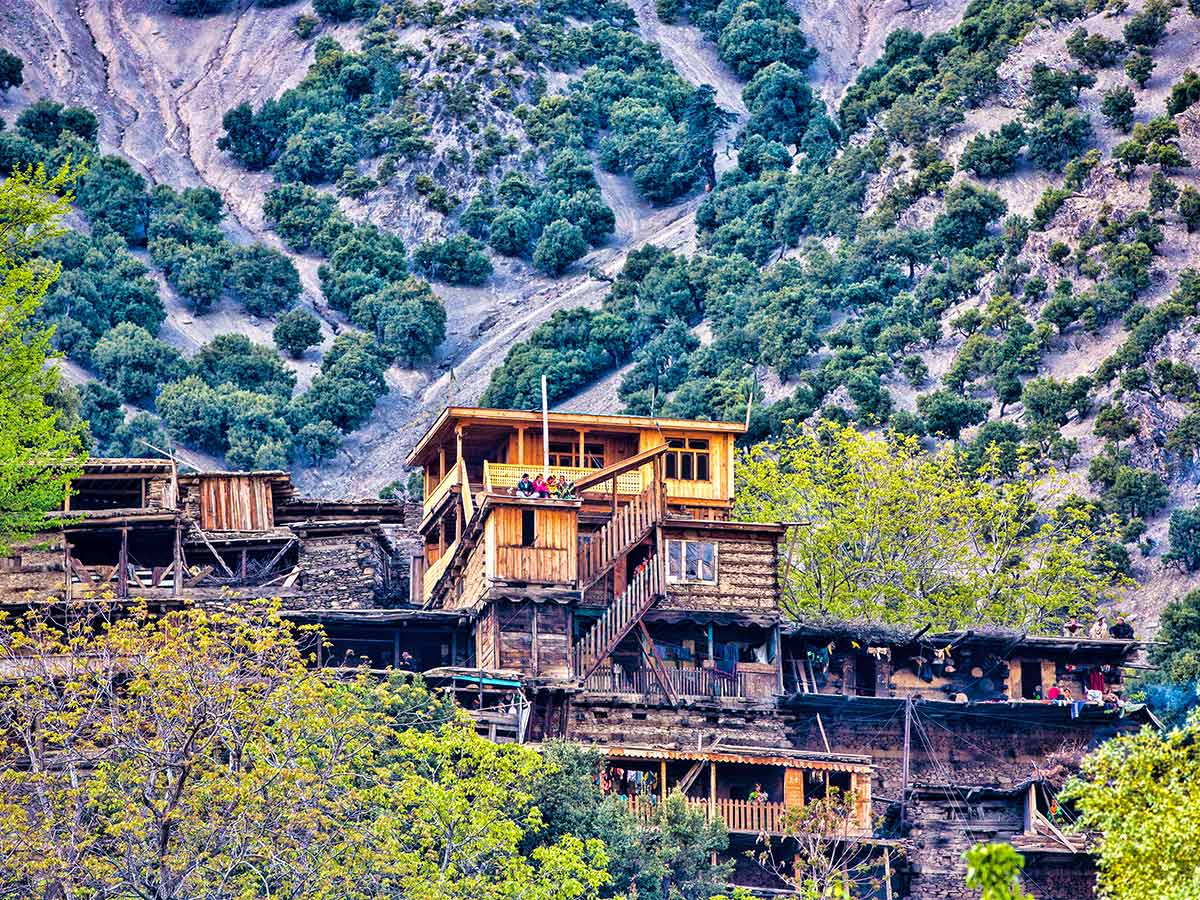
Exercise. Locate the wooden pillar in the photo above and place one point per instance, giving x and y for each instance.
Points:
(441, 536)
(711, 642)
(441, 463)
(662, 778)
(521, 445)
(712, 791)
(123, 565)
(177, 581)
(581, 462)
(458, 439)
(533, 636)
(243, 566)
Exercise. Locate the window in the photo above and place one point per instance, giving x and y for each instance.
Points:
(687, 459)
(692, 561)
(528, 531)
(566, 455)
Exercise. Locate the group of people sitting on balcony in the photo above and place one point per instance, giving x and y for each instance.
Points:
(554, 487)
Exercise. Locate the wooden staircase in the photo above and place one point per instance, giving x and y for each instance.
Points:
(620, 618)
(624, 531)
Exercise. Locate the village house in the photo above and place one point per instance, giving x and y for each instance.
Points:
(585, 577)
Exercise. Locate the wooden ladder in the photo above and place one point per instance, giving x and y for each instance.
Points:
(624, 531)
(619, 619)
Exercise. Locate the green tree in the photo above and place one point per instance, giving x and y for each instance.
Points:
(1058, 136)
(780, 102)
(1163, 193)
(263, 280)
(296, 331)
(256, 770)
(1139, 67)
(560, 245)
(38, 455)
(113, 193)
(511, 233)
(1149, 27)
(1184, 93)
(233, 359)
(135, 362)
(968, 214)
(1117, 107)
(195, 412)
(1189, 207)
(994, 154)
(11, 67)
(459, 259)
(407, 318)
(897, 535)
(1184, 536)
(947, 413)
(1142, 793)
(995, 871)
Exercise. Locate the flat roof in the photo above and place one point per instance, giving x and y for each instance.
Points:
(119, 465)
(761, 756)
(513, 417)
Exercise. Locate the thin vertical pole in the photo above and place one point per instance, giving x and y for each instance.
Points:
(545, 430)
(123, 562)
(905, 762)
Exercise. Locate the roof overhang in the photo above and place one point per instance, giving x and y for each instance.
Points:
(758, 756)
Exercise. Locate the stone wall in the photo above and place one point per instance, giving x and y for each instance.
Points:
(33, 571)
(746, 575)
(610, 721)
(342, 571)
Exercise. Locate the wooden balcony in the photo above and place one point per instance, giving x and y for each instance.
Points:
(688, 684)
(504, 477)
(749, 816)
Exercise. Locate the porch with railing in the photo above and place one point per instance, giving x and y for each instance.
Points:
(745, 816)
(504, 477)
(687, 683)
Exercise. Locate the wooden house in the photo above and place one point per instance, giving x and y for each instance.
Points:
(635, 580)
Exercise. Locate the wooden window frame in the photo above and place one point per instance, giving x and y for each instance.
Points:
(682, 576)
(687, 457)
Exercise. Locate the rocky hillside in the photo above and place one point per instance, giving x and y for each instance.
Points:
(160, 84)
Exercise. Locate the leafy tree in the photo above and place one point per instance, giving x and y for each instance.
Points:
(317, 153)
(195, 412)
(1141, 792)
(968, 214)
(458, 259)
(113, 193)
(1050, 87)
(139, 435)
(11, 67)
(316, 442)
(1093, 50)
(1139, 67)
(135, 362)
(233, 359)
(1184, 93)
(1058, 136)
(38, 455)
(296, 331)
(100, 409)
(1148, 27)
(263, 280)
(43, 122)
(1117, 107)
(780, 102)
(995, 871)
(1189, 207)
(511, 233)
(1163, 193)
(407, 318)
(897, 535)
(947, 413)
(995, 154)
(253, 139)
(762, 32)
(1051, 401)
(341, 767)
(1184, 535)
(300, 214)
(560, 245)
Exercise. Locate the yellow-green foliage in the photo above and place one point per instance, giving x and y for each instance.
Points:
(197, 756)
(37, 456)
(1142, 792)
(891, 533)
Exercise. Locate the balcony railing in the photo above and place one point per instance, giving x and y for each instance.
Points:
(686, 683)
(503, 477)
(747, 816)
(444, 487)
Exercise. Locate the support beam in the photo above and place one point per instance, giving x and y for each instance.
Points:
(619, 468)
(905, 761)
(656, 666)
(123, 566)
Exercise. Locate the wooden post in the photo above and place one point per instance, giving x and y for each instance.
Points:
(545, 431)
(521, 445)
(533, 636)
(441, 463)
(712, 791)
(904, 764)
(177, 582)
(887, 873)
(710, 642)
(581, 462)
(123, 564)
(662, 779)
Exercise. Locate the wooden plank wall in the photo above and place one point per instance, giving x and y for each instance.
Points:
(485, 639)
(235, 503)
(553, 557)
(720, 484)
(533, 638)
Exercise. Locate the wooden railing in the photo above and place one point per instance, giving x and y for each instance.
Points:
(686, 683)
(435, 571)
(502, 477)
(444, 487)
(624, 613)
(619, 535)
(102, 578)
(747, 816)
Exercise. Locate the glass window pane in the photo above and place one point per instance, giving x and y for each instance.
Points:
(702, 467)
(698, 443)
(674, 442)
(675, 559)
(707, 569)
(686, 468)
(672, 465)
(692, 562)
